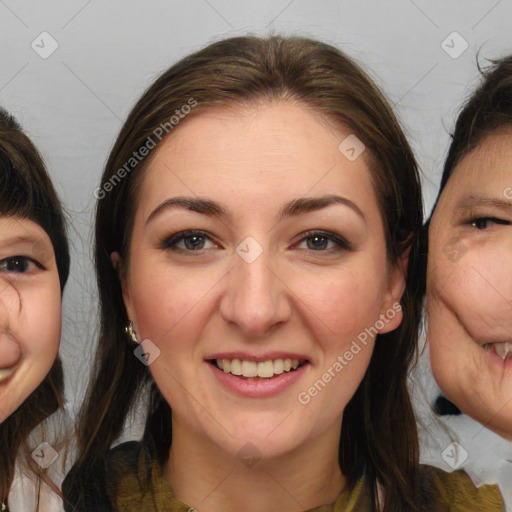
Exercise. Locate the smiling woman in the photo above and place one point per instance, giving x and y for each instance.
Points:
(469, 277)
(274, 227)
(34, 266)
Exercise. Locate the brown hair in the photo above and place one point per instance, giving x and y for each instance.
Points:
(27, 192)
(487, 110)
(379, 431)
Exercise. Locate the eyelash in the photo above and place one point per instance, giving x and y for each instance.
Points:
(170, 242)
(24, 259)
(471, 222)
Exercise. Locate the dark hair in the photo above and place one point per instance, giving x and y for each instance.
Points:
(379, 430)
(487, 110)
(27, 192)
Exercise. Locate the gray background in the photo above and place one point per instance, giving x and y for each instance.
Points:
(72, 104)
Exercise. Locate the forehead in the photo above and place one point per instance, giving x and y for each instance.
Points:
(483, 170)
(266, 150)
(18, 226)
(490, 159)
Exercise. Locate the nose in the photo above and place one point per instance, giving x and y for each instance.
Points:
(10, 351)
(256, 299)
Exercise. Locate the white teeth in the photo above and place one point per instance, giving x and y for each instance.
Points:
(236, 367)
(249, 369)
(278, 366)
(264, 369)
(503, 350)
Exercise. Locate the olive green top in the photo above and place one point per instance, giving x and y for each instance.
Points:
(132, 481)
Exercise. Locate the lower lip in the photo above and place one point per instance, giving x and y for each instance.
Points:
(258, 388)
(496, 359)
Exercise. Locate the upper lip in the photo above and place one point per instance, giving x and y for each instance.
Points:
(258, 358)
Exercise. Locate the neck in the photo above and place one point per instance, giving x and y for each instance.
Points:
(207, 478)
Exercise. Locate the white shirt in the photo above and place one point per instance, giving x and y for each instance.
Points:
(51, 446)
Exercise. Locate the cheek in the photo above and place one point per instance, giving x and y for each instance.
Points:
(40, 323)
(346, 301)
(36, 332)
(165, 299)
(487, 308)
(477, 290)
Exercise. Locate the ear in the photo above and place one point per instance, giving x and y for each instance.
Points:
(391, 314)
(117, 263)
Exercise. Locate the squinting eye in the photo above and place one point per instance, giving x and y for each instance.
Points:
(18, 264)
(482, 223)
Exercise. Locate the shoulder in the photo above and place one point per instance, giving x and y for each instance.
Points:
(457, 491)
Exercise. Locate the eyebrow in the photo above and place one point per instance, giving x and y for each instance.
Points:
(290, 209)
(471, 201)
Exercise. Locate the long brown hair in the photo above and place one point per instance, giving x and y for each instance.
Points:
(27, 192)
(379, 431)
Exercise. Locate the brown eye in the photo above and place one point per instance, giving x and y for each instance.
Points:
(17, 264)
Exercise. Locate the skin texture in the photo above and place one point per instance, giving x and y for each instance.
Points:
(469, 284)
(292, 298)
(30, 310)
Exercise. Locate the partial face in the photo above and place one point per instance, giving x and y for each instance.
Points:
(469, 285)
(30, 311)
(246, 277)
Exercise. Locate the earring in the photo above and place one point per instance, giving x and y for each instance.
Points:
(129, 330)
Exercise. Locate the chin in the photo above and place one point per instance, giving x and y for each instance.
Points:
(259, 445)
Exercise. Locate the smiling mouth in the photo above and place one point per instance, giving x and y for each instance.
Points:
(257, 370)
(503, 350)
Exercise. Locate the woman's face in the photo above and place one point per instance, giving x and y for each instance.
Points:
(469, 285)
(258, 245)
(30, 310)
